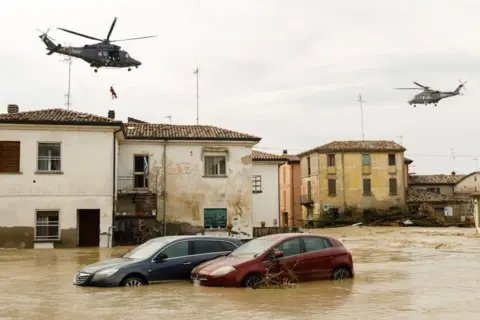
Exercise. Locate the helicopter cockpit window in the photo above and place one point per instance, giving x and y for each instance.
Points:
(127, 56)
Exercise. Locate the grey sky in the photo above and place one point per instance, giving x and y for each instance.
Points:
(287, 71)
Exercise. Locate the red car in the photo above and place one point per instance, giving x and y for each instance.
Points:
(310, 257)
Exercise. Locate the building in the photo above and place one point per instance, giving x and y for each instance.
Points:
(265, 188)
(476, 211)
(57, 183)
(446, 195)
(208, 181)
(92, 174)
(356, 175)
(290, 191)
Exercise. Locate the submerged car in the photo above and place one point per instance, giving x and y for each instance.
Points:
(310, 256)
(157, 260)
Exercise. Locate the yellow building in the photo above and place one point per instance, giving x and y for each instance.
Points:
(355, 174)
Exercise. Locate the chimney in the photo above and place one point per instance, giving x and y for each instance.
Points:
(453, 173)
(12, 108)
(285, 152)
(111, 114)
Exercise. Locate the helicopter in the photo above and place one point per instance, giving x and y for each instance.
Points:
(98, 55)
(431, 96)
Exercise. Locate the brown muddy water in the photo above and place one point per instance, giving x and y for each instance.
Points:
(401, 273)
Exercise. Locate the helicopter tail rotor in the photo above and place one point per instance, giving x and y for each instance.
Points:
(461, 86)
(45, 34)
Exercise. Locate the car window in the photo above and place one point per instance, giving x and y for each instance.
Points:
(179, 249)
(316, 243)
(289, 247)
(206, 246)
(227, 246)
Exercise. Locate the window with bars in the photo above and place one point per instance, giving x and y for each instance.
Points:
(257, 184)
(49, 157)
(47, 225)
(215, 165)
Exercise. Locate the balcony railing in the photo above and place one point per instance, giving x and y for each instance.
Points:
(306, 199)
(133, 183)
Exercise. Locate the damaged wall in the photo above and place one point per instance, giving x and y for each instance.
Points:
(85, 182)
(189, 191)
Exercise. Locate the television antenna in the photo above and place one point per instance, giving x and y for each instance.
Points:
(169, 117)
(69, 60)
(361, 112)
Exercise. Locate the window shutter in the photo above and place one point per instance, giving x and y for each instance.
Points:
(9, 156)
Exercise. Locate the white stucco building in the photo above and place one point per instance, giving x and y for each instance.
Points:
(56, 178)
(67, 178)
(266, 188)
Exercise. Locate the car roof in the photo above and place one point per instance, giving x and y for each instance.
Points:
(285, 236)
(188, 237)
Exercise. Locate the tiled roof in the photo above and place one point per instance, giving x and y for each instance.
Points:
(291, 157)
(407, 160)
(263, 156)
(437, 179)
(133, 120)
(416, 195)
(55, 116)
(357, 146)
(151, 131)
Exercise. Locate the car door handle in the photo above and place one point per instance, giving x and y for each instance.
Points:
(187, 263)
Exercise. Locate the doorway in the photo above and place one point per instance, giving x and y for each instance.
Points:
(88, 227)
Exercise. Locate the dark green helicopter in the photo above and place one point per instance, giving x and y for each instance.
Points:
(431, 96)
(98, 55)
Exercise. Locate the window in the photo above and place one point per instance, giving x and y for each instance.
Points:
(309, 189)
(215, 165)
(309, 170)
(290, 247)
(366, 160)
(140, 170)
(48, 157)
(47, 226)
(332, 187)
(434, 190)
(176, 250)
(9, 156)
(367, 187)
(393, 186)
(391, 159)
(206, 246)
(215, 217)
(257, 184)
(314, 244)
(227, 246)
(331, 160)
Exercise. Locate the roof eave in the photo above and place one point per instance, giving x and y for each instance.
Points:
(193, 138)
(63, 123)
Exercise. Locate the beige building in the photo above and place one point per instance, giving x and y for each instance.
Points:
(290, 191)
(354, 174)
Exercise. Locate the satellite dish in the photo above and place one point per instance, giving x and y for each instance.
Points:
(326, 207)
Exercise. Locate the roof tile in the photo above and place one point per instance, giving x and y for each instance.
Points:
(54, 116)
(435, 179)
(357, 146)
(417, 195)
(183, 132)
(263, 156)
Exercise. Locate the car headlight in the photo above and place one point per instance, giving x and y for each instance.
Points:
(222, 271)
(104, 274)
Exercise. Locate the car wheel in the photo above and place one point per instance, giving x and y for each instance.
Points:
(341, 273)
(253, 281)
(133, 282)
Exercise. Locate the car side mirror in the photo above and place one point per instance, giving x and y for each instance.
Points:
(160, 257)
(278, 254)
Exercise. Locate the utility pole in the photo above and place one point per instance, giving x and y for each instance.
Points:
(169, 117)
(361, 112)
(196, 72)
(476, 163)
(453, 160)
(69, 60)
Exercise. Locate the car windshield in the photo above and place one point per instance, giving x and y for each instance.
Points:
(145, 250)
(253, 248)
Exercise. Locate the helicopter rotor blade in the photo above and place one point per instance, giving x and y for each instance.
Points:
(79, 34)
(418, 84)
(111, 29)
(408, 88)
(134, 38)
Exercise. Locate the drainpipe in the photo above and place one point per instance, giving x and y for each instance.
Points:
(292, 196)
(165, 188)
(343, 182)
(114, 194)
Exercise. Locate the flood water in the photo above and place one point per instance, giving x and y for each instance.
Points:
(401, 273)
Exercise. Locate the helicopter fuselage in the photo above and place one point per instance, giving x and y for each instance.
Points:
(97, 55)
(430, 97)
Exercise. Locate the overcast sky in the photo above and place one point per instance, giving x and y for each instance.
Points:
(287, 71)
